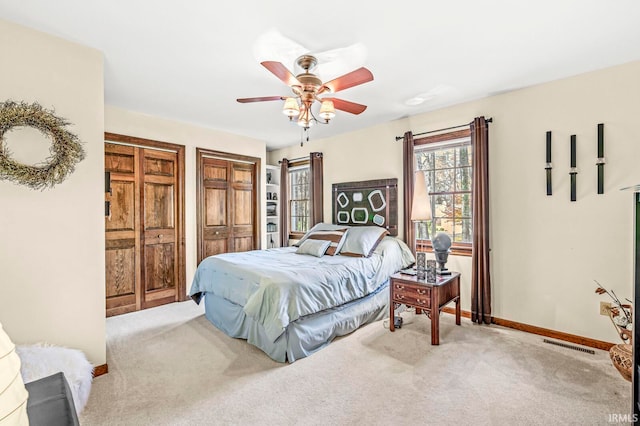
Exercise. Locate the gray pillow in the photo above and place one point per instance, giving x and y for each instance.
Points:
(315, 248)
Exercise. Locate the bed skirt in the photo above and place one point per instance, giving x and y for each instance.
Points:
(304, 336)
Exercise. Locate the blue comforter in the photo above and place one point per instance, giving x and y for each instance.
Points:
(278, 286)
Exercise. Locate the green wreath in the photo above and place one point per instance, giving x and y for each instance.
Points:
(66, 150)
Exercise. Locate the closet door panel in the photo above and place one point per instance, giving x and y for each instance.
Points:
(160, 265)
(243, 190)
(215, 201)
(214, 206)
(122, 253)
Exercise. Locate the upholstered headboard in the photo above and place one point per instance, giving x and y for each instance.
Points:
(369, 202)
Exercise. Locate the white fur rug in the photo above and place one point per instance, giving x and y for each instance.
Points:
(42, 360)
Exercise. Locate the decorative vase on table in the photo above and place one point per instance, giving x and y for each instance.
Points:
(622, 359)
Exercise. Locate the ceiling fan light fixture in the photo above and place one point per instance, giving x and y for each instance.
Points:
(305, 119)
(291, 108)
(327, 110)
(307, 86)
(305, 123)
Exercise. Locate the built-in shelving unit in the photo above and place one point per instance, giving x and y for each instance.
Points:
(272, 199)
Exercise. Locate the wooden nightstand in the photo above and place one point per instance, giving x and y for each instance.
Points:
(424, 296)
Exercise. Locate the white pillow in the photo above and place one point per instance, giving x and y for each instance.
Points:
(13, 394)
(361, 241)
(315, 248)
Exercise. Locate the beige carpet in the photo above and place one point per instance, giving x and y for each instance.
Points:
(170, 366)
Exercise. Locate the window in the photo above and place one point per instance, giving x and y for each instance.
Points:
(446, 161)
(299, 200)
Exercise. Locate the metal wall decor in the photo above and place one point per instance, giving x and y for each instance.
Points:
(370, 202)
(600, 162)
(548, 166)
(574, 170)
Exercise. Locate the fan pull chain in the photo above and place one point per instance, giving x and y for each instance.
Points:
(304, 130)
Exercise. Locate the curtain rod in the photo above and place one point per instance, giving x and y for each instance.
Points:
(487, 120)
(293, 160)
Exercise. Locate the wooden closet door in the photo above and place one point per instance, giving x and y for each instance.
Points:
(227, 206)
(215, 208)
(158, 212)
(242, 196)
(122, 236)
(145, 231)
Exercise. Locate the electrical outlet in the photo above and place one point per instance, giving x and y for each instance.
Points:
(605, 307)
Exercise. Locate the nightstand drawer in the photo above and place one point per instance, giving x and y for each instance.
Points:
(412, 299)
(412, 290)
(412, 295)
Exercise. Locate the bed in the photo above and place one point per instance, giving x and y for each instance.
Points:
(291, 302)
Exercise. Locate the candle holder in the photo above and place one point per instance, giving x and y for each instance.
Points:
(573, 172)
(600, 162)
(548, 166)
(421, 265)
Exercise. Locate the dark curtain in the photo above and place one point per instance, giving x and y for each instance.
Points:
(315, 172)
(408, 162)
(480, 275)
(284, 202)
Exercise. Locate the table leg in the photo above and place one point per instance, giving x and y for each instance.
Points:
(435, 325)
(392, 326)
(458, 311)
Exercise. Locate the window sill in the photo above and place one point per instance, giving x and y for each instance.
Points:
(457, 249)
(296, 235)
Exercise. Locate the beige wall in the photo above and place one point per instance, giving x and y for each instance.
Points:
(52, 241)
(144, 126)
(546, 251)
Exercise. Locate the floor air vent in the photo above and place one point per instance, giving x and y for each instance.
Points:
(565, 345)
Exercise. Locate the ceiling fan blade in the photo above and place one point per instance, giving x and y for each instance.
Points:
(274, 46)
(346, 106)
(339, 61)
(281, 72)
(261, 99)
(354, 78)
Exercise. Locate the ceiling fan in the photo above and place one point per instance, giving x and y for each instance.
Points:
(307, 88)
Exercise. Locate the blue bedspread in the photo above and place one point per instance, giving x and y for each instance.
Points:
(278, 286)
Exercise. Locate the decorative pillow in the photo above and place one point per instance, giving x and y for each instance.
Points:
(13, 394)
(361, 241)
(335, 237)
(315, 248)
(320, 227)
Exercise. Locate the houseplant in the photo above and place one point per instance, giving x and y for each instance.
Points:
(620, 315)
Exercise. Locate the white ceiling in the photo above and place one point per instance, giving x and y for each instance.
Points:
(189, 60)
